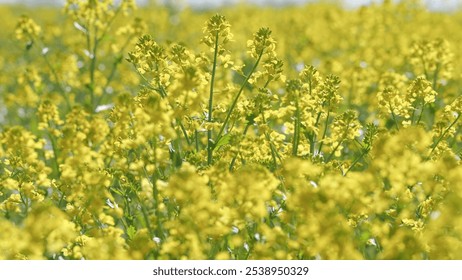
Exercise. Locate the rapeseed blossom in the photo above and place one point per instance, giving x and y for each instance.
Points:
(125, 135)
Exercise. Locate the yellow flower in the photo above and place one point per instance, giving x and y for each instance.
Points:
(26, 28)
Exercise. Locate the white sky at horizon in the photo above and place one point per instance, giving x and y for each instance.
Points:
(431, 4)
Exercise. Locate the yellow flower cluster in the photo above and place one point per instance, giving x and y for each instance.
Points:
(259, 136)
(27, 28)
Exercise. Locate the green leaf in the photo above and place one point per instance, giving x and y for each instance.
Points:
(223, 141)
(131, 231)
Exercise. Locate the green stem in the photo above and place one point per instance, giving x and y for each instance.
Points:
(274, 152)
(61, 199)
(324, 133)
(163, 94)
(394, 118)
(143, 207)
(312, 136)
(156, 202)
(225, 123)
(249, 123)
(93, 58)
(111, 76)
(296, 129)
(231, 166)
(184, 132)
(55, 154)
(344, 135)
(55, 76)
(210, 144)
(442, 135)
(25, 201)
(53, 73)
(93, 68)
(196, 137)
(421, 113)
(363, 152)
(333, 151)
(147, 83)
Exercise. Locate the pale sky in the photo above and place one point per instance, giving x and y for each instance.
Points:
(432, 4)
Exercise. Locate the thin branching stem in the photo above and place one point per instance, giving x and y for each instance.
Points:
(394, 118)
(231, 108)
(53, 73)
(443, 135)
(421, 113)
(324, 133)
(196, 140)
(210, 144)
(231, 166)
(363, 153)
(297, 124)
(274, 153)
(55, 154)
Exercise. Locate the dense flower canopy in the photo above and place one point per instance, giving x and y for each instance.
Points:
(309, 132)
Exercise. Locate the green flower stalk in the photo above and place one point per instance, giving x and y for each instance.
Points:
(217, 34)
(262, 45)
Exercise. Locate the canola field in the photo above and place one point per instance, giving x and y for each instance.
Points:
(308, 132)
